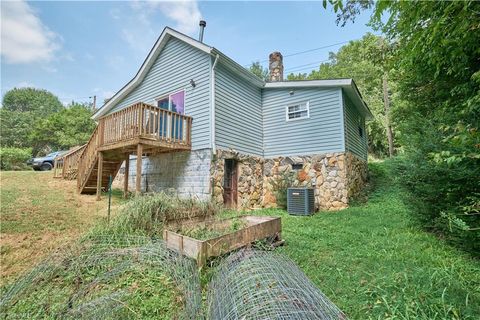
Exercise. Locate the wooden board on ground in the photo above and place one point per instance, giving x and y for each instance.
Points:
(256, 228)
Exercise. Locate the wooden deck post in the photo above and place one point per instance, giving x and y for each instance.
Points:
(127, 169)
(138, 178)
(55, 165)
(99, 174)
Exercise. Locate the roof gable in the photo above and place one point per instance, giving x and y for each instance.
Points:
(347, 84)
(166, 35)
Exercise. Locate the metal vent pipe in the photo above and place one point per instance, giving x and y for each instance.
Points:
(202, 24)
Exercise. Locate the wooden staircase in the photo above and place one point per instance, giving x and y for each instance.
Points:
(140, 129)
(110, 167)
(66, 165)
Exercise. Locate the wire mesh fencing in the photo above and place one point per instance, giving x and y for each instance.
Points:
(253, 284)
(99, 279)
(125, 277)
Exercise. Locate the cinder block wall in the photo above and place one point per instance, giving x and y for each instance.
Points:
(185, 173)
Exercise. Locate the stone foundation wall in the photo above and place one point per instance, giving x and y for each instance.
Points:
(335, 177)
(250, 178)
(185, 173)
(357, 174)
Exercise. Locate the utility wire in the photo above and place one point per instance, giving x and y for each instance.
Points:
(305, 66)
(306, 51)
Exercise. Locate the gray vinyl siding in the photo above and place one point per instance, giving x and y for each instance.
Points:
(172, 71)
(353, 120)
(238, 113)
(322, 132)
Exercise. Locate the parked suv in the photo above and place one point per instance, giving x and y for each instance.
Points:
(45, 163)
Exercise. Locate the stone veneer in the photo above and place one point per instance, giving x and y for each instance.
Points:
(250, 178)
(336, 177)
(185, 173)
(357, 174)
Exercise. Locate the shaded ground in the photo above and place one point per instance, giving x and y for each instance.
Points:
(39, 214)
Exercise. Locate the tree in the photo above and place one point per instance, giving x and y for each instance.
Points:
(70, 127)
(39, 102)
(438, 61)
(261, 72)
(15, 128)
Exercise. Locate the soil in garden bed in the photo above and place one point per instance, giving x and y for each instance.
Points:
(212, 229)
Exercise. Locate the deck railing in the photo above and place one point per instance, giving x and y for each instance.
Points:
(131, 125)
(88, 158)
(145, 121)
(70, 162)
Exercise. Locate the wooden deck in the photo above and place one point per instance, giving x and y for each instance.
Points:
(139, 129)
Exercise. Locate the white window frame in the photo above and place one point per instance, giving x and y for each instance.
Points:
(287, 113)
(170, 100)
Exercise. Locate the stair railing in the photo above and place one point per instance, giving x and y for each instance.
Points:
(66, 165)
(88, 157)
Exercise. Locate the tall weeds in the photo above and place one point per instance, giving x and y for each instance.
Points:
(148, 214)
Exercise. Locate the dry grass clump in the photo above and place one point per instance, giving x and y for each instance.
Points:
(148, 214)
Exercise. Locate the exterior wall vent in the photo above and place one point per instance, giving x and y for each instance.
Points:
(300, 201)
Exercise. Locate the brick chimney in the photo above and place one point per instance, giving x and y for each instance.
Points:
(275, 66)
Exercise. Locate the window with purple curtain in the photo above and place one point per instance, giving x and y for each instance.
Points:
(177, 101)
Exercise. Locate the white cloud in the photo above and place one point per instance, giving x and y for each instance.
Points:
(25, 84)
(115, 62)
(24, 37)
(115, 13)
(89, 56)
(49, 69)
(140, 28)
(102, 95)
(184, 13)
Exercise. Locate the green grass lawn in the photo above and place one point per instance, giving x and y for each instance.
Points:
(375, 262)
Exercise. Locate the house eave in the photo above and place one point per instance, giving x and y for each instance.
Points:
(238, 69)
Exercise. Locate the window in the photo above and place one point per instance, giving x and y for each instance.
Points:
(297, 166)
(298, 111)
(360, 132)
(174, 102)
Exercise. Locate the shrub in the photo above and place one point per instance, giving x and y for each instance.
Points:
(445, 195)
(280, 184)
(14, 158)
(147, 214)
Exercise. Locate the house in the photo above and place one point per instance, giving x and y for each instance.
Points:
(195, 122)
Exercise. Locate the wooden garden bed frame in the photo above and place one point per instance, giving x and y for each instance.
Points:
(257, 228)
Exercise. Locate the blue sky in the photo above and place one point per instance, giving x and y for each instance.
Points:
(80, 49)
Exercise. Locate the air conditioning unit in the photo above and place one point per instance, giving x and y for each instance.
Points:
(300, 201)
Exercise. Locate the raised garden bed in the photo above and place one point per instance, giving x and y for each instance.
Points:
(212, 238)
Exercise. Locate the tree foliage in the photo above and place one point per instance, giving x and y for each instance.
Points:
(35, 118)
(437, 55)
(69, 127)
(261, 72)
(15, 128)
(39, 102)
(12, 158)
